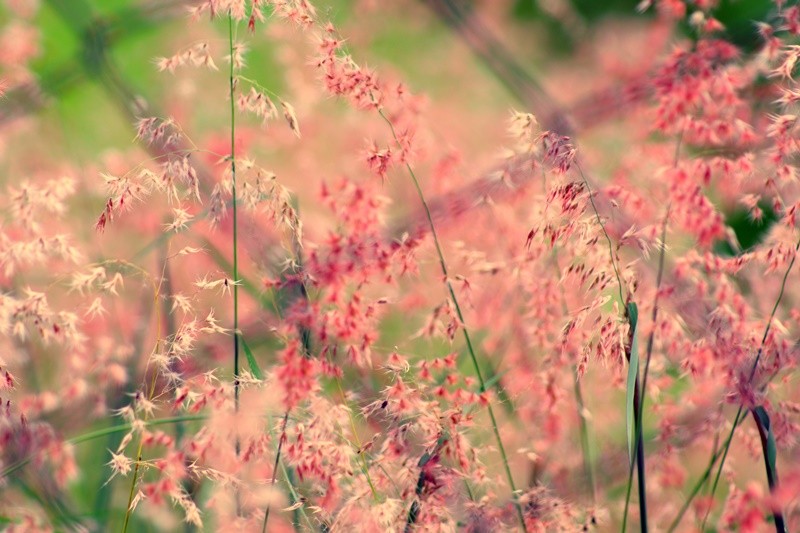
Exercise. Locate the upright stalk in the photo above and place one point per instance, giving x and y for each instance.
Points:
(715, 455)
(275, 468)
(235, 227)
(150, 396)
(467, 338)
(137, 464)
(605, 234)
(638, 448)
(640, 394)
(235, 275)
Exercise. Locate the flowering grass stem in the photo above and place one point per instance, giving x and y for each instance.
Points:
(723, 452)
(275, 467)
(232, 88)
(150, 394)
(637, 452)
(235, 275)
(662, 254)
(464, 329)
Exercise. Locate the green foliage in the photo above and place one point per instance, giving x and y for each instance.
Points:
(749, 232)
(251, 360)
(770, 451)
(739, 18)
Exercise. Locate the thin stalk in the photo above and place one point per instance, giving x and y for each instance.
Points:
(716, 454)
(638, 461)
(739, 417)
(714, 447)
(722, 462)
(359, 447)
(662, 255)
(235, 274)
(467, 339)
(605, 233)
(275, 468)
(639, 397)
(294, 498)
(190, 486)
(305, 336)
(104, 492)
(638, 450)
(136, 467)
(235, 228)
(654, 316)
(151, 394)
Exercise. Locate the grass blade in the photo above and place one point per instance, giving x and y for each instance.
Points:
(633, 374)
(770, 450)
(251, 360)
(770, 457)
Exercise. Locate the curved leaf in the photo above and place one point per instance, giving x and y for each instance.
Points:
(251, 360)
(633, 374)
(770, 450)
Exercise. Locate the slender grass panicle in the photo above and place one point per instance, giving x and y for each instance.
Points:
(289, 265)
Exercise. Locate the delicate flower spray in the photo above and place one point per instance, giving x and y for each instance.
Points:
(296, 308)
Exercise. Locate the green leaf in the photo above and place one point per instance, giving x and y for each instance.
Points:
(427, 456)
(251, 360)
(424, 459)
(771, 451)
(493, 380)
(633, 374)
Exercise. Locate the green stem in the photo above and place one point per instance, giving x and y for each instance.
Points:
(704, 477)
(275, 468)
(605, 233)
(638, 449)
(293, 496)
(467, 339)
(232, 87)
(235, 228)
(650, 342)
